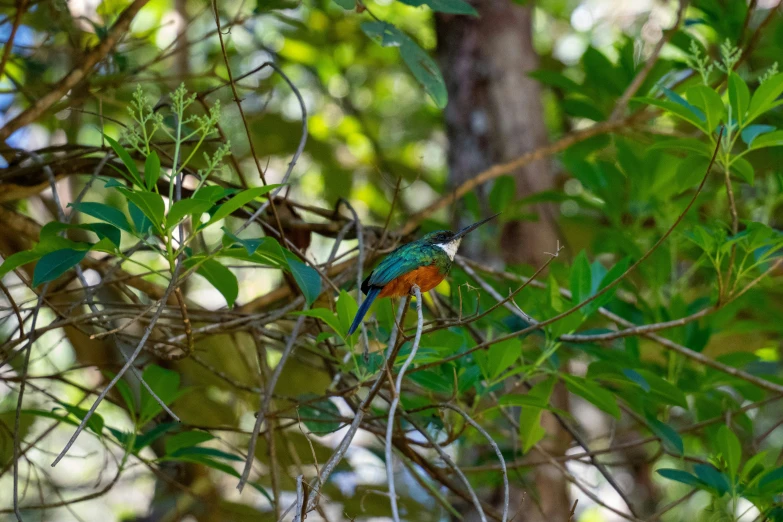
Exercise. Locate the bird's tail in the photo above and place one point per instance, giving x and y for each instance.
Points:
(371, 295)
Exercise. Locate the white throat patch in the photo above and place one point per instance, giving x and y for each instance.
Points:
(450, 248)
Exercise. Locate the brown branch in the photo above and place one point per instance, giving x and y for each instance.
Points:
(21, 7)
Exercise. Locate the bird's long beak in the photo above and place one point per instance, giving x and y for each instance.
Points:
(471, 228)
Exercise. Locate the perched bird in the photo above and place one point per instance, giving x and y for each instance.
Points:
(424, 262)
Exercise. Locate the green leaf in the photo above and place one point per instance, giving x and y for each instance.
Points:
(530, 430)
(307, 278)
(423, 67)
(676, 110)
(706, 99)
(150, 204)
(502, 356)
(555, 79)
(208, 452)
(325, 315)
(751, 132)
(636, 378)
(680, 476)
(320, 417)
(186, 207)
(615, 272)
(502, 194)
(104, 230)
(581, 279)
(152, 170)
(683, 144)
(346, 4)
(238, 201)
(593, 393)
(426, 71)
(444, 6)
(140, 221)
(54, 264)
(133, 172)
(95, 424)
(739, 98)
(433, 380)
(771, 139)
(522, 400)
(765, 97)
(729, 446)
(212, 193)
(251, 244)
(186, 439)
(772, 481)
(581, 107)
(664, 389)
(104, 213)
(743, 169)
(670, 438)
(148, 437)
(712, 478)
(218, 276)
(164, 383)
(346, 310)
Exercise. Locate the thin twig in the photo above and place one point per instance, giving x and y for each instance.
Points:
(396, 400)
(270, 388)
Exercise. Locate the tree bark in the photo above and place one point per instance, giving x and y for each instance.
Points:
(495, 115)
(495, 112)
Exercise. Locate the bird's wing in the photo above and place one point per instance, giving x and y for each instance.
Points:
(406, 258)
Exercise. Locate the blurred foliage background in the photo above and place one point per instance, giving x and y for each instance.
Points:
(589, 124)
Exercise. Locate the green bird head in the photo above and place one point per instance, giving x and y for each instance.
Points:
(449, 241)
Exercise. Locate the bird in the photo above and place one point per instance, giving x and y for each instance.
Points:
(424, 262)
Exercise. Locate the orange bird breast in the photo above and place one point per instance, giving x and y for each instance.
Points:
(427, 277)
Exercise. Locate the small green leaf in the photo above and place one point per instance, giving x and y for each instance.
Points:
(140, 222)
(680, 476)
(95, 424)
(522, 400)
(771, 139)
(593, 393)
(712, 478)
(251, 244)
(743, 169)
(218, 276)
(104, 230)
(53, 265)
(164, 383)
(772, 481)
(530, 430)
(708, 101)
(676, 110)
(346, 310)
(104, 213)
(133, 171)
(502, 194)
(635, 377)
(615, 272)
(729, 446)
(349, 5)
(426, 71)
(423, 67)
(186, 207)
(765, 97)
(321, 416)
(326, 316)
(683, 144)
(751, 132)
(152, 170)
(199, 451)
(238, 201)
(444, 6)
(581, 281)
(150, 204)
(307, 278)
(739, 97)
(501, 356)
(186, 439)
(670, 438)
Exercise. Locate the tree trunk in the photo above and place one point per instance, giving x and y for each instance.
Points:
(495, 115)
